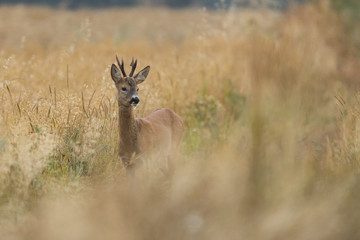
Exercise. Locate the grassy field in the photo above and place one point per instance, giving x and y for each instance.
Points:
(270, 103)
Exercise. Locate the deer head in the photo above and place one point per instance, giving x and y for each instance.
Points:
(127, 89)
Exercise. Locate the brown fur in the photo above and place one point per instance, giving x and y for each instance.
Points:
(156, 136)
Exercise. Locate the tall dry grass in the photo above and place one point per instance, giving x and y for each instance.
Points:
(270, 104)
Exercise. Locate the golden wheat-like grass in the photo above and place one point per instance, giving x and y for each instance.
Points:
(271, 146)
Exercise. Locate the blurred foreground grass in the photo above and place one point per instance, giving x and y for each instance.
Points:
(270, 103)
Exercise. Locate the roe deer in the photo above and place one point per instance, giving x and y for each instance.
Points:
(156, 136)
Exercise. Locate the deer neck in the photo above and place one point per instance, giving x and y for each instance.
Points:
(128, 131)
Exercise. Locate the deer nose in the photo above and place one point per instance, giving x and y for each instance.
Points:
(134, 100)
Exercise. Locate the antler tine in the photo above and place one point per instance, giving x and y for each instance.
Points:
(133, 65)
(121, 66)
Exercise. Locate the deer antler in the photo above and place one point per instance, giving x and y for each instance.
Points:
(121, 66)
(133, 65)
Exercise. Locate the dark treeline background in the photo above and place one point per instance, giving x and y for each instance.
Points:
(213, 4)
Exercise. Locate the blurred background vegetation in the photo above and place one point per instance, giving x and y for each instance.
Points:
(169, 3)
(268, 91)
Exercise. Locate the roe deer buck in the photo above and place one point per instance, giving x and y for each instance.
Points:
(151, 138)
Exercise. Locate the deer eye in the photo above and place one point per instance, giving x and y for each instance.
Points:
(137, 90)
(124, 89)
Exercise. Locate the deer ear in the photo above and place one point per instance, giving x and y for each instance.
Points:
(141, 76)
(115, 73)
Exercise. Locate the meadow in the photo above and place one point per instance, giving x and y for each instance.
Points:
(270, 103)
